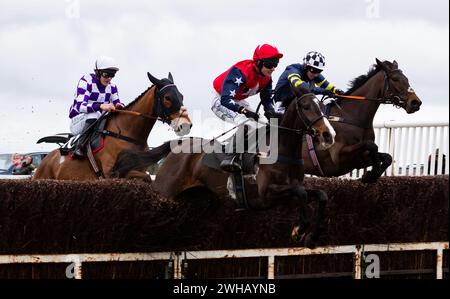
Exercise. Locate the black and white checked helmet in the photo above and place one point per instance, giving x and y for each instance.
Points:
(315, 60)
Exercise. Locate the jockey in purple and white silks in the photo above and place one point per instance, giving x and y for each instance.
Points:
(95, 94)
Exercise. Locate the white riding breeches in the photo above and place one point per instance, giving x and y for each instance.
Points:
(233, 117)
(226, 114)
(77, 123)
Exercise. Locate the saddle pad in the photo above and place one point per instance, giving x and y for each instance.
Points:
(97, 144)
(96, 138)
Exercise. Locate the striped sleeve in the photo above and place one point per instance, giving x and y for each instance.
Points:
(296, 81)
(324, 84)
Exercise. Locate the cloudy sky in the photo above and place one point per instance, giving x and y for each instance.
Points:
(47, 45)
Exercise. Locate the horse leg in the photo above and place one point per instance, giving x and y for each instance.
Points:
(322, 198)
(298, 233)
(276, 192)
(386, 161)
(372, 176)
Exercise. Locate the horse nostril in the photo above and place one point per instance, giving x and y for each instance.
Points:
(185, 127)
(416, 104)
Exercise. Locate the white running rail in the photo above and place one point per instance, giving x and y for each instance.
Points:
(177, 258)
(417, 149)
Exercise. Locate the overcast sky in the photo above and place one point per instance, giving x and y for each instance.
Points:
(47, 45)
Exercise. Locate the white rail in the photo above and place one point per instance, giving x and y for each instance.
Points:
(417, 149)
(179, 257)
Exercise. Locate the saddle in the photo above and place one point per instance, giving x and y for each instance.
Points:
(94, 135)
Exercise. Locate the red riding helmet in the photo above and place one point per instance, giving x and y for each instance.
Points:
(266, 51)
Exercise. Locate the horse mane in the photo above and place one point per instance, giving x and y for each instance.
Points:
(137, 99)
(361, 80)
(132, 103)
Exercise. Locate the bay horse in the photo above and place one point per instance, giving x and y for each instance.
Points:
(355, 146)
(129, 129)
(283, 180)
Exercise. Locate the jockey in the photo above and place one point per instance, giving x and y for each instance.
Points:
(299, 76)
(244, 79)
(95, 95)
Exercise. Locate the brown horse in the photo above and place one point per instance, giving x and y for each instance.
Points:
(355, 147)
(183, 169)
(128, 130)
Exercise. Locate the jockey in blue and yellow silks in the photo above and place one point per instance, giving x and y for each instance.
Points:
(242, 80)
(299, 76)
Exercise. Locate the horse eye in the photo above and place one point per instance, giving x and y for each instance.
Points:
(167, 102)
(395, 79)
(306, 107)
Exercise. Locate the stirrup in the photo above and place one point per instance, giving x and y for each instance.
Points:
(78, 154)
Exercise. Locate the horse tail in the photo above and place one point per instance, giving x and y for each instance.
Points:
(129, 160)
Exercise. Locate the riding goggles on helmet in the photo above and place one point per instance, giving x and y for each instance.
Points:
(107, 73)
(270, 63)
(314, 70)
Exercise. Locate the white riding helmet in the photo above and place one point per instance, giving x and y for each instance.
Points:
(105, 62)
(315, 60)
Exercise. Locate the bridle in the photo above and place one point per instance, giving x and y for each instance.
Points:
(308, 123)
(388, 96)
(160, 112)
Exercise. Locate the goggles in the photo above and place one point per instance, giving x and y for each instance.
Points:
(107, 73)
(314, 70)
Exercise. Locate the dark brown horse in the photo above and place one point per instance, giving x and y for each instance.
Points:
(131, 129)
(183, 169)
(355, 147)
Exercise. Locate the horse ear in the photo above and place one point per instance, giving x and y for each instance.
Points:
(152, 79)
(170, 77)
(381, 65)
(378, 62)
(395, 64)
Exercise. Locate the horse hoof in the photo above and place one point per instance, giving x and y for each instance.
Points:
(295, 235)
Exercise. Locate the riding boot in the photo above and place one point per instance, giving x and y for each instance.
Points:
(231, 164)
(79, 151)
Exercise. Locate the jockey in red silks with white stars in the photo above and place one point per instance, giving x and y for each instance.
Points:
(244, 79)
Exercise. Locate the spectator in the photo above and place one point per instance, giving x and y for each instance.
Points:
(26, 168)
(16, 163)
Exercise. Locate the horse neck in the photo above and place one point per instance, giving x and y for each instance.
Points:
(365, 111)
(290, 142)
(138, 127)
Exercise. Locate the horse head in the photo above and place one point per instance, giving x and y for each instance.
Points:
(305, 113)
(169, 105)
(397, 87)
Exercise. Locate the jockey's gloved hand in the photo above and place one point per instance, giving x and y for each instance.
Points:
(339, 91)
(329, 101)
(328, 93)
(249, 114)
(120, 106)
